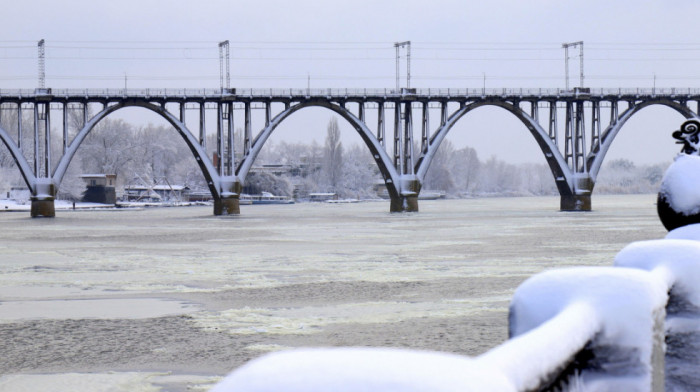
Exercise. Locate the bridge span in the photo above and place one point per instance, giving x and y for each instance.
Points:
(573, 150)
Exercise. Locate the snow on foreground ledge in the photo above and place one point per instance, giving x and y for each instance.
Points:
(688, 232)
(554, 316)
(674, 261)
(363, 369)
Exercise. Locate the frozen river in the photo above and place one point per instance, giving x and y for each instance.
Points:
(176, 297)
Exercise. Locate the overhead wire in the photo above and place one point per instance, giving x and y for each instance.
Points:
(61, 50)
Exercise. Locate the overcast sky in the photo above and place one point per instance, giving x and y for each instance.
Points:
(339, 44)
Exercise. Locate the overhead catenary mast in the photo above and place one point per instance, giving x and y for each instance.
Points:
(566, 47)
(407, 45)
(224, 52)
(42, 64)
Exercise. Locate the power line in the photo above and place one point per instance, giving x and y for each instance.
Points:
(344, 77)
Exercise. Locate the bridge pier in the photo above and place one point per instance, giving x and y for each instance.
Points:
(580, 198)
(228, 202)
(575, 202)
(227, 206)
(407, 200)
(43, 208)
(404, 204)
(43, 199)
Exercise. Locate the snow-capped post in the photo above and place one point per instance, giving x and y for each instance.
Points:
(678, 201)
(675, 261)
(592, 328)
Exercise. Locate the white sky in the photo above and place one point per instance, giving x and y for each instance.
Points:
(349, 44)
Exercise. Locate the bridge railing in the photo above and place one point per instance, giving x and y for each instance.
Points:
(348, 92)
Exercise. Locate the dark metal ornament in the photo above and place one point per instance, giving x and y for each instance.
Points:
(670, 218)
(688, 137)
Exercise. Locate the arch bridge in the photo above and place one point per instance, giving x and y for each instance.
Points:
(566, 124)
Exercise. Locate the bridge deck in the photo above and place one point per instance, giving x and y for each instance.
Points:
(352, 95)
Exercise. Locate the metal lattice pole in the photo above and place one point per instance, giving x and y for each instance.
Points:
(221, 67)
(581, 64)
(396, 45)
(224, 52)
(407, 45)
(42, 65)
(566, 46)
(566, 66)
(408, 65)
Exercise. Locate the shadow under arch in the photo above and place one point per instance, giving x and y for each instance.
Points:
(208, 169)
(391, 176)
(22, 163)
(560, 170)
(597, 155)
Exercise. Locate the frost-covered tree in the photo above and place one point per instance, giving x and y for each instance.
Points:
(465, 167)
(623, 176)
(440, 174)
(537, 180)
(333, 155)
(109, 148)
(498, 177)
(257, 183)
(360, 173)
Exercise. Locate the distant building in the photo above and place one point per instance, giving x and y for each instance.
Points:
(323, 196)
(19, 193)
(277, 169)
(156, 193)
(100, 188)
(200, 195)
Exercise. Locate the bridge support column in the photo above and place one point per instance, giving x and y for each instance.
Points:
(43, 199)
(229, 201)
(580, 199)
(576, 202)
(407, 200)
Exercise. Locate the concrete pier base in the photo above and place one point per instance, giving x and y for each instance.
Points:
(228, 201)
(42, 198)
(227, 206)
(407, 198)
(43, 208)
(576, 203)
(404, 204)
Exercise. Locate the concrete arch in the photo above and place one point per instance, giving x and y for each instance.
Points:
(391, 176)
(596, 157)
(557, 164)
(208, 169)
(20, 160)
